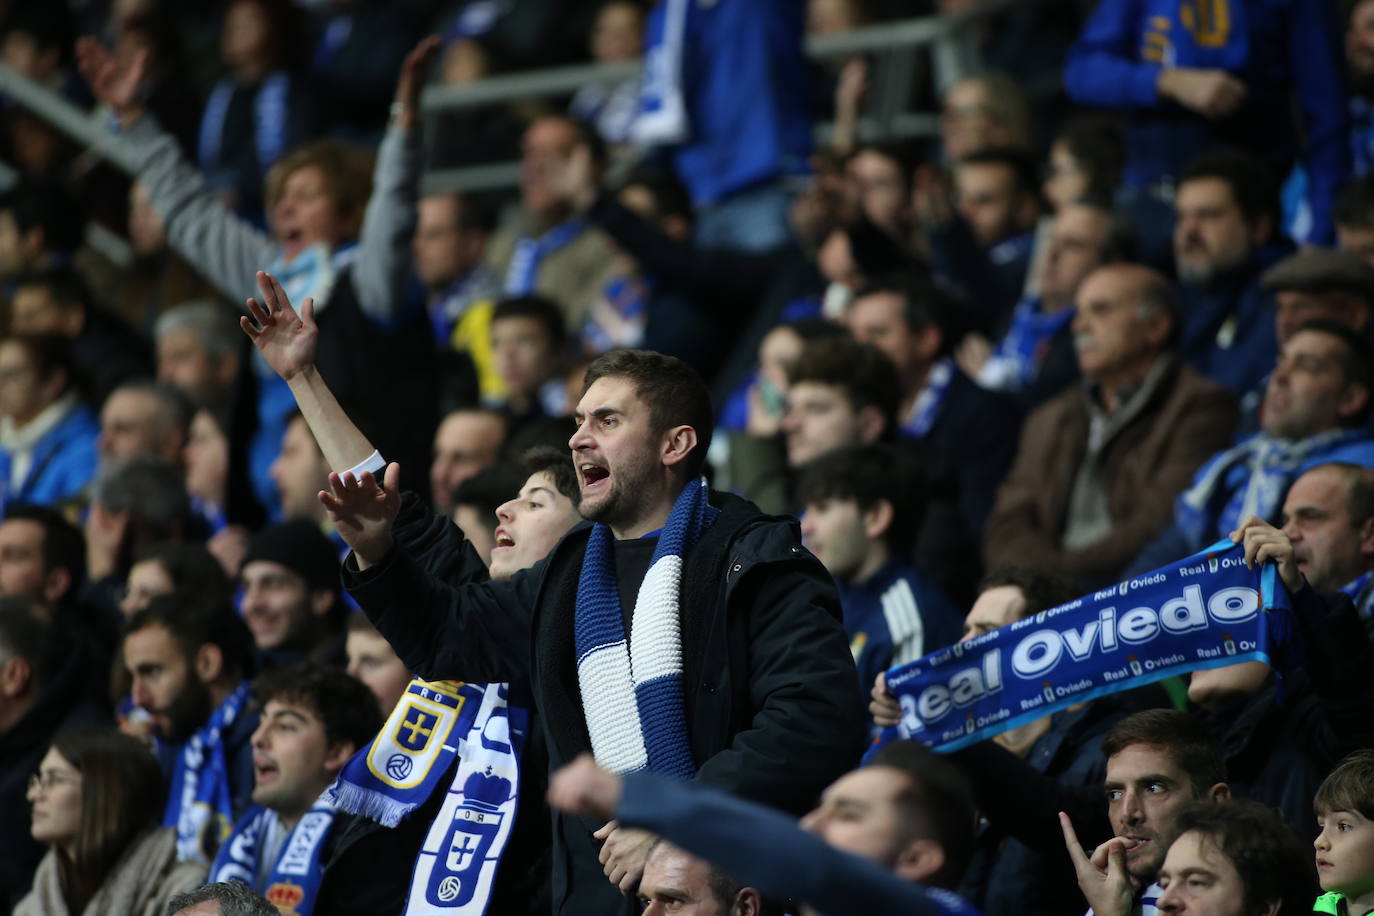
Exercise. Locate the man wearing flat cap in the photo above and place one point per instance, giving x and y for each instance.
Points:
(1320, 283)
(1313, 283)
(290, 583)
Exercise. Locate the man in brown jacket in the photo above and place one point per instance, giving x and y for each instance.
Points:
(1099, 465)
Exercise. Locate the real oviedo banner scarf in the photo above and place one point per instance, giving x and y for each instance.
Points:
(1207, 611)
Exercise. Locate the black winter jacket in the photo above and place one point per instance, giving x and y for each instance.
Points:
(771, 711)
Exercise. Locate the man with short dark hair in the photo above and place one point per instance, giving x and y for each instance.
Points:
(1237, 859)
(839, 393)
(451, 234)
(1226, 235)
(56, 301)
(863, 509)
(1141, 423)
(676, 882)
(312, 720)
(1158, 761)
(775, 647)
(42, 555)
(42, 692)
(40, 226)
(189, 662)
(475, 502)
(528, 337)
(986, 248)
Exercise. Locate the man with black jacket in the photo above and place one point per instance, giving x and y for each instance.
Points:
(760, 703)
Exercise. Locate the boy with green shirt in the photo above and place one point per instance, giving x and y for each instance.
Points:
(1345, 846)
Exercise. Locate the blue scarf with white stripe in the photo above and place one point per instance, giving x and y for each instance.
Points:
(292, 882)
(632, 691)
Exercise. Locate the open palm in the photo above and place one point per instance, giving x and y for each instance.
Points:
(285, 339)
(113, 82)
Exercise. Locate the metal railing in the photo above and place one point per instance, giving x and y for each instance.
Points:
(894, 82)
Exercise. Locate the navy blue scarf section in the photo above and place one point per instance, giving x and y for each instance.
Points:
(1206, 611)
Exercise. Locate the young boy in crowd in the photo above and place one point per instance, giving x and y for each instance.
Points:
(1345, 847)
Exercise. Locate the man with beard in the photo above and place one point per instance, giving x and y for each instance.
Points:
(1226, 235)
(1157, 762)
(765, 705)
(188, 662)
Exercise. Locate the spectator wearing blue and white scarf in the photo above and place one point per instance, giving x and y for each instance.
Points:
(1315, 411)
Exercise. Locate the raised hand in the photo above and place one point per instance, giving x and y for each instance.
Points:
(286, 340)
(1103, 877)
(883, 706)
(412, 81)
(1264, 542)
(363, 511)
(113, 82)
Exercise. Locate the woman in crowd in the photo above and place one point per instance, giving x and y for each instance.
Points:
(97, 802)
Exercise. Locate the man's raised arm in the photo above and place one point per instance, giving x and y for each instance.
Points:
(362, 511)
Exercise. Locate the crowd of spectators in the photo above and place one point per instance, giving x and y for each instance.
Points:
(1115, 306)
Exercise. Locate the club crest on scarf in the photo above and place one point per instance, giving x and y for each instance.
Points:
(1207, 611)
(434, 723)
(417, 730)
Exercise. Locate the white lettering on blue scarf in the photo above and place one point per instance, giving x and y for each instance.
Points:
(1207, 611)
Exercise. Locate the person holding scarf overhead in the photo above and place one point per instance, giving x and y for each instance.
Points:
(329, 240)
(683, 633)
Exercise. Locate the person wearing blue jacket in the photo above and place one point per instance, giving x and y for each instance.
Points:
(864, 508)
(1198, 74)
(889, 837)
(48, 437)
(732, 148)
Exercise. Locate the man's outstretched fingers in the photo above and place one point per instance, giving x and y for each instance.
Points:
(1076, 853)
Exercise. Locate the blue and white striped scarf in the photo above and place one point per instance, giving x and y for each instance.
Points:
(1252, 477)
(199, 805)
(632, 692)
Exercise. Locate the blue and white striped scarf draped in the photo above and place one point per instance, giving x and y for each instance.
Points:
(632, 692)
(1250, 478)
(663, 118)
(199, 805)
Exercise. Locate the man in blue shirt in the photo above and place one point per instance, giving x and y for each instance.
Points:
(863, 511)
(1197, 74)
